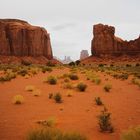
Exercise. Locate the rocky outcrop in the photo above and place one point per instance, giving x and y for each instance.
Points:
(84, 54)
(19, 38)
(106, 43)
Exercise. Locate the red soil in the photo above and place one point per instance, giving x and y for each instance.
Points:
(79, 112)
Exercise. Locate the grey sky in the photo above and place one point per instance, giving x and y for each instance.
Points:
(70, 21)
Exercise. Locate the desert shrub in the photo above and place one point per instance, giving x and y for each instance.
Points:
(26, 63)
(71, 64)
(44, 69)
(34, 71)
(50, 64)
(73, 77)
(18, 99)
(68, 86)
(101, 65)
(136, 81)
(96, 80)
(52, 80)
(77, 62)
(69, 94)
(105, 121)
(58, 98)
(30, 88)
(53, 134)
(37, 92)
(107, 87)
(98, 101)
(81, 87)
(50, 122)
(66, 80)
(50, 95)
(131, 134)
(23, 72)
(137, 64)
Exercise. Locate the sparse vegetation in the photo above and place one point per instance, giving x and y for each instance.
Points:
(18, 99)
(98, 101)
(30, 88)
(58, 98)
(53, 134)
(81, 87)
(51, 80)
(68, 86)
(37, 92)
(50, 95)
(131, 134)
(105, 121)
(73, 77)
(46, 68)
(107, 87)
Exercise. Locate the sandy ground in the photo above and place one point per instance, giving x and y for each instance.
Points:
(79, 112)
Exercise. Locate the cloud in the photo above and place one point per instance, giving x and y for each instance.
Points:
(63, 26)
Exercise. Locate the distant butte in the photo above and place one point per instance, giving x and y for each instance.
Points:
(20, 39)
(105, 42)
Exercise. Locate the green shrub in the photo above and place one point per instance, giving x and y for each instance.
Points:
(98, 101)
(107, 87)
(52, 80)
(105, 121)
(18, 99)
(131, 134)
(58, 98)
(73, 77)
(53, 134)
(81, 87)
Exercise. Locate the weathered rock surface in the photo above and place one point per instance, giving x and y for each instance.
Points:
(106, 43)
(19, 38)
(84, 54)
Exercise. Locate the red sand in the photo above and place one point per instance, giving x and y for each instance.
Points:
(79, 112)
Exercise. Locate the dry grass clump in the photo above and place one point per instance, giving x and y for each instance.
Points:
(107, 87)
(131, 134)
(69, 94)
(53, 134)
(30, 88)
(18, 99)
(37, 92)
(68, 86)
(51, 80)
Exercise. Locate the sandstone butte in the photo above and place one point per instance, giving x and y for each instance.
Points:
(20, 39)
(105, 42)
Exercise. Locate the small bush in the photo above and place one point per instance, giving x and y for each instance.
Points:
(73, 77)
(69, 94)
(30, 88)
(107, 87)
(26, 63)
(71, 64)
(58, 98)
(23, 72)
(97, 81)
(53, 134)
(131, 134)
(44, 69)
(68, 86)
(18, 99)
(81, 87)
(98, 101)
(37, 92)
(52, 80)
(105, 121)
(50, 122)
(50, 95)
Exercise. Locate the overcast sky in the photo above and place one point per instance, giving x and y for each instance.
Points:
(70, 22)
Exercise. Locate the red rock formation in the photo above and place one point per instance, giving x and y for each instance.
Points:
(84, 54)
(106, 43)
(19, 38)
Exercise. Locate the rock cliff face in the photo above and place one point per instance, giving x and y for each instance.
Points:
(84, 54)
(106, 43)
(19, 38)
